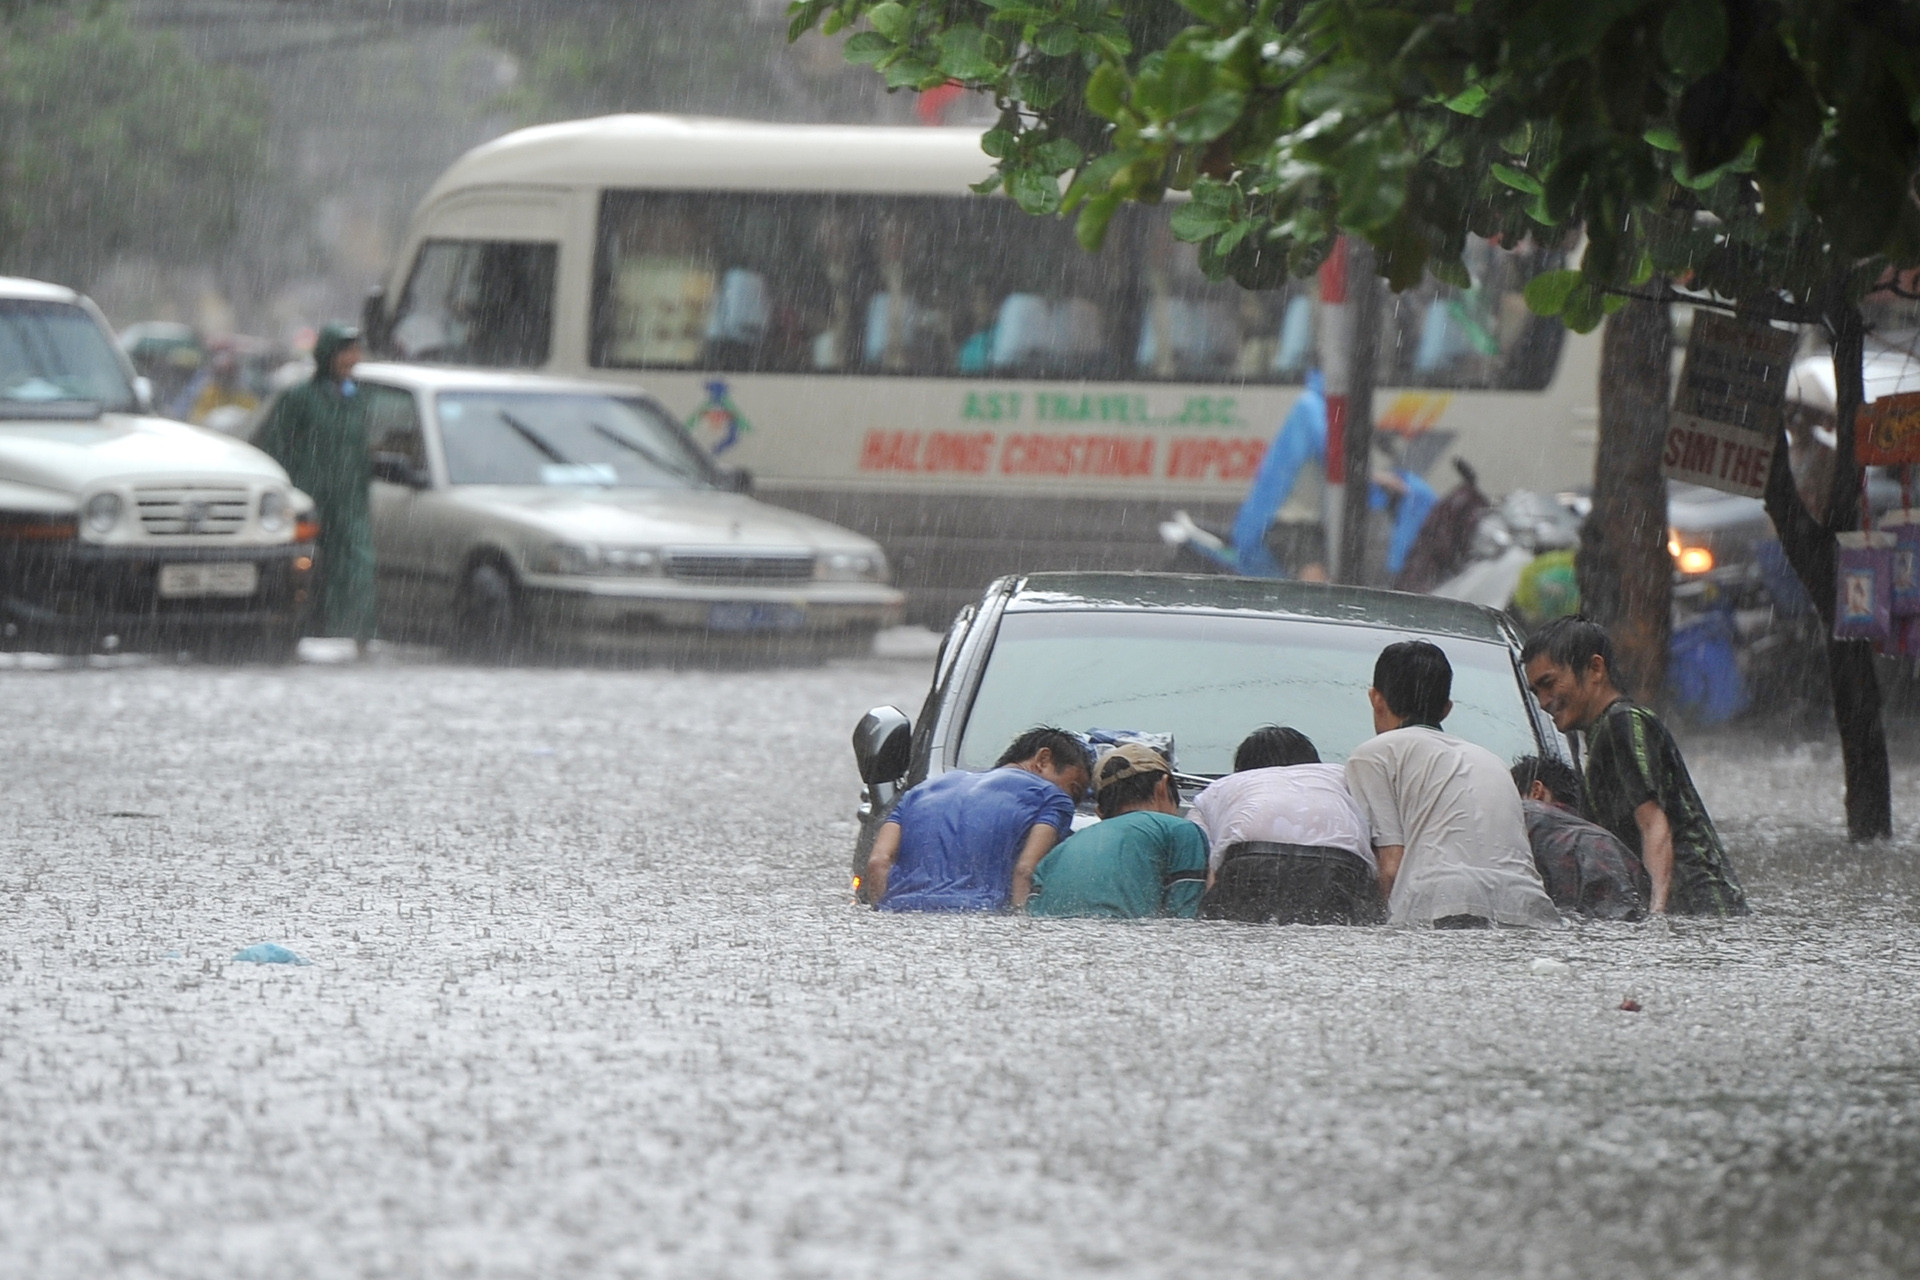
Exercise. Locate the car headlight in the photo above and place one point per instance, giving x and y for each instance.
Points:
(275, 511)
(103, 512)
(575, 559)
(851, 566)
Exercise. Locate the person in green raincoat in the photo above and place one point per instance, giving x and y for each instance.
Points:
(318, 432)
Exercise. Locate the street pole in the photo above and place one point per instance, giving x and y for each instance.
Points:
(1363, 314)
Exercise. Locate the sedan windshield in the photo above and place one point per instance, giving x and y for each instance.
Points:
(1211, 679)
(565, 438)
(53, 353)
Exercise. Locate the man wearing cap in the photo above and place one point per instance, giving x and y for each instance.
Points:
(1141, 859)
(318, 432)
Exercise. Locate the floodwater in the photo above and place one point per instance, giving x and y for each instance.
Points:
(585, 998)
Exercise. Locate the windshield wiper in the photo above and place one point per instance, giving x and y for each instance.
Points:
(535, 439)
(635, 446)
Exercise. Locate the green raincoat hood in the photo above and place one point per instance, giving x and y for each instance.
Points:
(333, 339)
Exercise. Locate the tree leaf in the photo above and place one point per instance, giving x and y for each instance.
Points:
(1221, 13)
(1106, 91)
(890, 20)
(867, 47)
(1033, 191)
(1694, 36)
(1547, 293)
(1518, 180)
(964, 55)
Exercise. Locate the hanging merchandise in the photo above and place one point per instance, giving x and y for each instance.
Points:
(1887, 430)
(1863, 599)
(1904, 571)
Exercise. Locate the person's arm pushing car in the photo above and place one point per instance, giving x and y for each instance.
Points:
(1388, 856)
(886, 846)
(1040, 839)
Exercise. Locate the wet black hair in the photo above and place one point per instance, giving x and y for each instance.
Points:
(1570, 642)
(1416, 679)
(1128, 792)
(1557, 776)
(1273, 746)
(1067, 750)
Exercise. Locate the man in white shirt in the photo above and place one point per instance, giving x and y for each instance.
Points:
(1285, 841)
(1448, 833)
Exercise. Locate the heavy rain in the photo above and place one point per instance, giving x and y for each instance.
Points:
(467, 467)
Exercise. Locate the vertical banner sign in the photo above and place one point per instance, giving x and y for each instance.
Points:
(1726, 418)
(1336, 365)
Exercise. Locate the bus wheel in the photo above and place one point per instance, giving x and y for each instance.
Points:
(489, 612)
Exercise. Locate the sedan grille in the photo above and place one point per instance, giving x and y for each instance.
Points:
(705, 566)
(191, 511)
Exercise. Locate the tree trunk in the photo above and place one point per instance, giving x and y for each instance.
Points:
(1624, 568)
(1809, 546)
(1365, 300)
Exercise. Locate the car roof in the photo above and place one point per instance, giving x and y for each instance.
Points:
(434, 377)
(15, 288)
(1219, 593)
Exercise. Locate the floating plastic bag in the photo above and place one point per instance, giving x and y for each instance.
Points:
(267, 953)
(1863, 586)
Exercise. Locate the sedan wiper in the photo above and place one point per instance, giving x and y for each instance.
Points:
(664, 464)
(534, 438)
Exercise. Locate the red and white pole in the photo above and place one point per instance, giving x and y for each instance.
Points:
(1336, 366)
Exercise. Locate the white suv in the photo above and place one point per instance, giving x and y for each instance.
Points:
(119, 529)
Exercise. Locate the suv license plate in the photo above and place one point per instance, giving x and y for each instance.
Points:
(181, 581)
(755, 617)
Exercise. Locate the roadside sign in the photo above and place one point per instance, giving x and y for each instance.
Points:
(1726, 418)
(1888, 430)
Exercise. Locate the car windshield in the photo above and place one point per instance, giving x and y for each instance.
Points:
(53, 353)
(1210, 679)
(565, 438)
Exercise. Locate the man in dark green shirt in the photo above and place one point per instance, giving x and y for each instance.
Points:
(1141, 859)
(1637, 785)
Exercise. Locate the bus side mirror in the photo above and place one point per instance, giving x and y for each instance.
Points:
(373, 320)
(882, 744)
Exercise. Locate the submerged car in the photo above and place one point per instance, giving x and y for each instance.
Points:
(1201, 659)
(118, 528)
(513, 513)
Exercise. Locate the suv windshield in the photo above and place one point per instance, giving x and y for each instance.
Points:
(1210, 679)
(53, 354)
(562, 438)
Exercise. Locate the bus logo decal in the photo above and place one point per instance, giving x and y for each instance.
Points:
(718, 423)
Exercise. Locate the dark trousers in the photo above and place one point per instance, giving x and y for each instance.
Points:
(1293, 884)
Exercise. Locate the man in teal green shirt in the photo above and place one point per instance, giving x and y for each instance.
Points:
(1141, 859)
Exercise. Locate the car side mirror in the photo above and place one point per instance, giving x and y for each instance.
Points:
(143, 392)
(373, 320)
(398, 468)
(736, 479)
(882, 745)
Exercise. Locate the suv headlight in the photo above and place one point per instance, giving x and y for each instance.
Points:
(274, 511)
(103, 512)
(851, 566)
(574, 559)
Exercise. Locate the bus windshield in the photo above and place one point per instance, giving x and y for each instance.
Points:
(526, 438)
(938, 286)
(1210, 679)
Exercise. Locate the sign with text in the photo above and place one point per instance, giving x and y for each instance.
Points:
(1726, 417)
(1888, 430)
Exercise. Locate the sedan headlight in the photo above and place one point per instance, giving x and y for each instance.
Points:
(851, 566)
(103, 512)
(275, 511)
(576, 559)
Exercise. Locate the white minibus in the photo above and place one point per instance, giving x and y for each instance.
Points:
(832, 310)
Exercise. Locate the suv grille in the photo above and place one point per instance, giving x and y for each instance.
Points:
(179, 513)
(700, 566)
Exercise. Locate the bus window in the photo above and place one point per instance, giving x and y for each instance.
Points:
(972, 287)
(480, 302)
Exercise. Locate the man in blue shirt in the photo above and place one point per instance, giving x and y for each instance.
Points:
(1141, 859)
(970, 841)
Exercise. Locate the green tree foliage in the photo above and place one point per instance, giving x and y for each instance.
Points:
(115, 140)
(1740, 146)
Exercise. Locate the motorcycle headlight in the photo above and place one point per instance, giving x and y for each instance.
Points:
(275, 511)
(851, 566)
(103, 512)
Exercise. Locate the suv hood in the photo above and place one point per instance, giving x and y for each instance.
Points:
(73, 456)
(657, 517)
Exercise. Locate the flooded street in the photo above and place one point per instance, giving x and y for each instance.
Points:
(585, 998)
